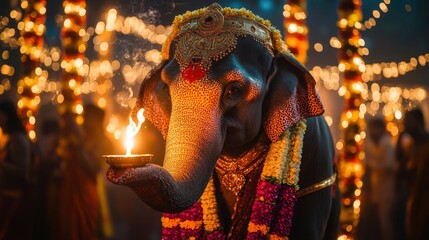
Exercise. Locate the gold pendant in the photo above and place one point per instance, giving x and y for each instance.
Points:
(234, 182)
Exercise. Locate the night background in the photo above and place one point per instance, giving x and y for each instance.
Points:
(397, 38)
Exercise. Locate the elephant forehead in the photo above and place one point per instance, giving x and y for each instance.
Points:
(255, 85)
(250, 59)
(204, 91)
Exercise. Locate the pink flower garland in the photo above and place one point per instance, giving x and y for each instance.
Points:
(186, 224)
(284, 214)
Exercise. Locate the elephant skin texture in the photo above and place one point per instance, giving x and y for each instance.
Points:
(246, 94)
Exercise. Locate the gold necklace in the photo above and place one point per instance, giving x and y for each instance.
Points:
(233, 171)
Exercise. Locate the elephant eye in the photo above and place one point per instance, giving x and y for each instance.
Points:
(233, 90)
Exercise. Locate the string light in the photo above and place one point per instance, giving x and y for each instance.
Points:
(135, 26)
(31, 41)
(330, 75)
(376, 14)
(367, 24)
(392, 102)
(101, 71)
(351, 67)
(296, 30)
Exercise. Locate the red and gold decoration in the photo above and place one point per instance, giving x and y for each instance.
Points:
(74, 46)
(296, 30)
(351, 67)
(32, 30)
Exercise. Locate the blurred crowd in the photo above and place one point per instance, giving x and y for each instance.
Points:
(395, 199)
(55, 187)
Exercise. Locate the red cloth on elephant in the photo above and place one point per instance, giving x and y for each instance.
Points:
(79, 203)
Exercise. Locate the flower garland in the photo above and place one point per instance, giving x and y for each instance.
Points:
(275, 191)
(272, 209)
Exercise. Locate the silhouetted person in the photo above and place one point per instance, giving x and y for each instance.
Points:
(379, 161)
(98, 144)
(15, 176)
(402, 182)
(418, 166)
(79, 202)
(49, 178)
(95, 137)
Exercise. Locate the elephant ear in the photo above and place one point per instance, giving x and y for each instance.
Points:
(291, 96)
(155, 100)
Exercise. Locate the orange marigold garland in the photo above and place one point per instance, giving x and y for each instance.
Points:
(351, 65)
(72, 64)
(296, 30)
(31, 41)
(74, 46)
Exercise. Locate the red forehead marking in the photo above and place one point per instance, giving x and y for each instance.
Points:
(193, 73)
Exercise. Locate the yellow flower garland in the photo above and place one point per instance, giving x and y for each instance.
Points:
(275, 237)
(169, 222)
(291, 172)
(275, 161)
(291, 175)
(209, 205)
(258, 227)
(189, 224)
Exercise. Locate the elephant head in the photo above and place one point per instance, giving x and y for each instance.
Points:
(231, 79)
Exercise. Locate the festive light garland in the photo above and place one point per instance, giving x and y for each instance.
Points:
(330, 75)
(32, 30)
(351, 65)
(73, 65)
(135, 26)
(368, 24)
(296, 30)
(371, 22)
(392, 101)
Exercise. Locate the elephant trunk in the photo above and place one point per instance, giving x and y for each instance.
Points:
(191, 153)
(194, 141)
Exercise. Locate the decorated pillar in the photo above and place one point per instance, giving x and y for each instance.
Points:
(296, 30)
(351, 67)
(74, 46)
(32, 30)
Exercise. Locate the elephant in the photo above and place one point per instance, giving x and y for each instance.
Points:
(229, 93)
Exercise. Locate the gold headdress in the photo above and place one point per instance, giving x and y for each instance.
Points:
(211, 33)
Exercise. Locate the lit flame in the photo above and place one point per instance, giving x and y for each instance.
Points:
(132, 130)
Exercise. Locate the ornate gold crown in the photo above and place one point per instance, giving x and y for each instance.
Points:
(211, 33)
